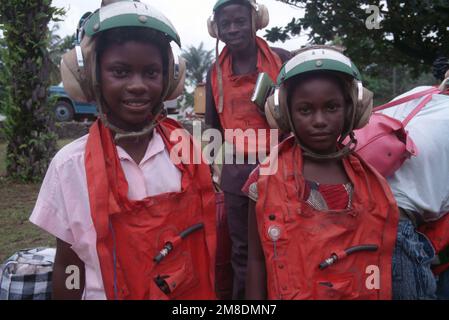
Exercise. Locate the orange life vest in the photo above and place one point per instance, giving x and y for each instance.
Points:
(142, 249)
(297, 239)
(238, 110)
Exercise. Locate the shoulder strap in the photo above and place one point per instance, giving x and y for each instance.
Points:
(421, 105)
(407, 98)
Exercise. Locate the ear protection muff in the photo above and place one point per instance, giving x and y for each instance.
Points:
(260, 17)
(78, 85)
(71, 78)
(364, 109)
(320, 58)
(79, 66)
(212, 27)
(75, 67)
(276, 108)
(445, 84)
(176, 83)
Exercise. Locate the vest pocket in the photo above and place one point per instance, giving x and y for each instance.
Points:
(247, 113)
(336, 287)
(176, 276)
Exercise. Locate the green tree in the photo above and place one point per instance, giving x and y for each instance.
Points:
(198, 61)
(2, 75)
(29, 125)
(388, 82)
(56, 48)
(410, 33)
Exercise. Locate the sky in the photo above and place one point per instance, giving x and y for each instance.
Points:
(188, 17)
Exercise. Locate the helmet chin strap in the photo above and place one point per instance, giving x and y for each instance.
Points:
(122, 134)
(347, 149)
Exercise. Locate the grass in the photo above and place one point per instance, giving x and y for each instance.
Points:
(16, 205)
(16, 232)
(61, 143)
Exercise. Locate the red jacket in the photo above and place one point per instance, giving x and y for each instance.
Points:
(238, 110)
(296, 239)
(134, 236)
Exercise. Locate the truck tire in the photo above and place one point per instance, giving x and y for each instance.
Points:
(63, 111)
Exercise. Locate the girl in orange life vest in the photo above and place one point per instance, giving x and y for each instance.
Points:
(130, 223)
(323, 225)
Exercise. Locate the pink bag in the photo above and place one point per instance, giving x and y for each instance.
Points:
(383, 142)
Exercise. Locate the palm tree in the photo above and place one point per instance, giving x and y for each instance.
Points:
(198, 62)
(57, 46)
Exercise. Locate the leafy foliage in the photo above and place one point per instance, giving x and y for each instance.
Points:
(293, 28)
(57, 46)
(198, 61)
(388, 82)
(2, 75)
(411, 33)
(29, 125)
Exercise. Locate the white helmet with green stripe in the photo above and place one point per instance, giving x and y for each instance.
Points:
(79, 66)
(129, 14)
(320, 58)
(315, 59)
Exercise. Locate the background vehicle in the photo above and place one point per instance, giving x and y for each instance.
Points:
(67, 109)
